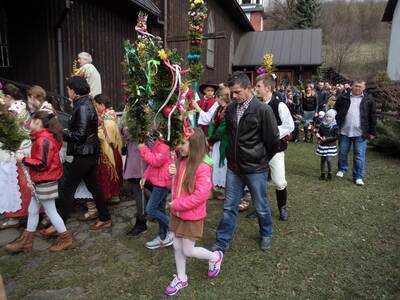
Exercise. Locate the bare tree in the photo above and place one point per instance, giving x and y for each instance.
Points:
(279, 15)
(347, 25)
(340, 30)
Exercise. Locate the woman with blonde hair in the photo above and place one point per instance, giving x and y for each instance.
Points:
(37, 100)
(310, 105)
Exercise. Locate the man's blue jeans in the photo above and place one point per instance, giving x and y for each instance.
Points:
(257, 184)
(156, 209)
(359, 150)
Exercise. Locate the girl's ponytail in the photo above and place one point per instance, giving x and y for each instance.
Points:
(50, 122)
(197, 150)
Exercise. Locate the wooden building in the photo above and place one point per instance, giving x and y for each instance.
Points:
(40, 39)
(392, 15)
(297, 53)
(39, 43)
(225, 24)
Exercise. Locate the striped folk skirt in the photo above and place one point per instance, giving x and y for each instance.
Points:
(326, 150)
(47, 191)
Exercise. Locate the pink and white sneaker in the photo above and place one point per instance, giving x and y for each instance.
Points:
(214, 266)
(175, 286)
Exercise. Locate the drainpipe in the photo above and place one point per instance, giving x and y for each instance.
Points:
(60, 56)
(164, 22)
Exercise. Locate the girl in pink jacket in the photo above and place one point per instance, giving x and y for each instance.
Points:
(192, 188)
(157, 179)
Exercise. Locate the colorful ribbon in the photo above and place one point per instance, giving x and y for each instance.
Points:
(177, 80)
(151, 71)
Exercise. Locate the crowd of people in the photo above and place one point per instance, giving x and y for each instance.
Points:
(238, 146)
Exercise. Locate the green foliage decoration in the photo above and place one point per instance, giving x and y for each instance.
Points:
(11, 134)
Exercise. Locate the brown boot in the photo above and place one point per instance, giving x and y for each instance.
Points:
(64, 241)
(23, 243)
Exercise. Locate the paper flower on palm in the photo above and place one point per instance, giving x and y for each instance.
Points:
(162, 54)
(141, 46)
(261, 70)
(268, 61)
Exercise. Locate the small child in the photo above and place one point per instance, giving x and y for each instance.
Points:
(45, 169)
(207, 106)
(192, 187)
(156, 153)
(327, 136)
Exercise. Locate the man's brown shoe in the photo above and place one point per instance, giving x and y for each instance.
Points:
(100, 225)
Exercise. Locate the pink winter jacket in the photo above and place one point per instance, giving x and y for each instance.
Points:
(192, 206)
(158, 159)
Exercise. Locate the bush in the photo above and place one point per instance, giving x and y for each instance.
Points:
(388, 137)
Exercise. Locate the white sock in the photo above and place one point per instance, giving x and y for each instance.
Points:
(180, 259)
(190, 250)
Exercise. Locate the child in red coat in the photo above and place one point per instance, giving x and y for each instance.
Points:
(192, 187)
(45, 169)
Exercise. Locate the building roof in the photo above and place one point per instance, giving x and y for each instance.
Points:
(289, 47)
(389, 11)
(252, 7)
(148, 6)
(237, 13)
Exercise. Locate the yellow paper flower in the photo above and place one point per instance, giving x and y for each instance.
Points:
(162, 54)
(268, 61)
(141, 46)
(198, 2)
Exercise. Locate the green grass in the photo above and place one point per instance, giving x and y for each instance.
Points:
(341, 242)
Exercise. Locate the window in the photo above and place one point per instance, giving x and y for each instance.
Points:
(4, 59)
(231, 51)
(210, 42)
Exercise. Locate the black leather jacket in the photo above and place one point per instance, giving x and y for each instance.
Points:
(253, 141)
(367, 113)
(82, 130)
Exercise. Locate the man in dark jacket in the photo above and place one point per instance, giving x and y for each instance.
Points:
(253, 139)
(83, 144)
(356, 118)
(322, 96)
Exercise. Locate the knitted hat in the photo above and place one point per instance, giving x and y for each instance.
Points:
(331, 113)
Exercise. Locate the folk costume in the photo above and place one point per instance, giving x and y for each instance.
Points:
(217, 137)
(277, 163)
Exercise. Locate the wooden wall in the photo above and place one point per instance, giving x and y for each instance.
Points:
(224, 22)
(28, 43)
(99, 27)
(305, 73)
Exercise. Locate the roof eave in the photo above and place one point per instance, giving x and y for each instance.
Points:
(238, 13)
(277, 66)
(150, 7)
(389, 11)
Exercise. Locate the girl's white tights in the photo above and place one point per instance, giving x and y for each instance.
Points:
(185, 248)
(51, 212)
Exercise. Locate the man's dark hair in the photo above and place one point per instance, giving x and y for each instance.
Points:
(239, 78)
(79, 85)
(103, 99)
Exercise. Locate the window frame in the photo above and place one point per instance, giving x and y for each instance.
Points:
(210, 51)
(4, 45)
